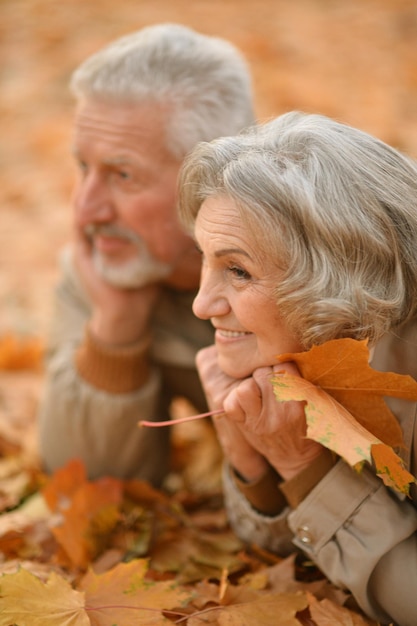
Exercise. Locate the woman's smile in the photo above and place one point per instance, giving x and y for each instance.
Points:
(222, 334)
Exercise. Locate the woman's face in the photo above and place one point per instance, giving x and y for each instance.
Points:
(237, 292)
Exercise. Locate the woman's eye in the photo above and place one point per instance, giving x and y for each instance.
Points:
(239, 272)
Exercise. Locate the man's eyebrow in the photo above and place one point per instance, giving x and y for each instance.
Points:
(118, 160)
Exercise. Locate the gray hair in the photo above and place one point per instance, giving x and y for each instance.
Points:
(335, 208)
(202, 81)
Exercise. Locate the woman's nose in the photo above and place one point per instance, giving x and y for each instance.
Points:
(92, 201)
(210, 301)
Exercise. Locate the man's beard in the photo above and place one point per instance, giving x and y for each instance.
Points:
(138, 271)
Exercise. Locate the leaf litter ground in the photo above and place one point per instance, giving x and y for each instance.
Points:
(106, 552)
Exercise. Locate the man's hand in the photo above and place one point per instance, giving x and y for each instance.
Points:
(120, 316)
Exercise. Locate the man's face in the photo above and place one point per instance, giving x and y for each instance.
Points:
(124, 198)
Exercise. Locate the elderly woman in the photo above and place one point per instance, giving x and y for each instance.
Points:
(308, 232)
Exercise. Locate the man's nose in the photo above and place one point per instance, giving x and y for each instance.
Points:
(92, 201)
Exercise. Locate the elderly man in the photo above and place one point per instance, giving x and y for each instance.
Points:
(123, 337)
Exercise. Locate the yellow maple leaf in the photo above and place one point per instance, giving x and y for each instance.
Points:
(123, 596)
(345, 409)
(24, 599)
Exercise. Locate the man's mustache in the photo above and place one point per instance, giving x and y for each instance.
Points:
(111, 230)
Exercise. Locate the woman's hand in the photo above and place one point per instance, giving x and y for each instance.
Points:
(256, 427)
(241, 455)
(276, 429)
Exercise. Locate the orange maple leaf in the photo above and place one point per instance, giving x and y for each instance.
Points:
(345, 407)
(341, 368)
(63, 484)
(18, 353)
(89, 511)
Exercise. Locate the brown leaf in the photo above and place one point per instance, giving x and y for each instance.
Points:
(327, 613)
(265, 610)
(341, 368)
(331, 425)
(141, 491)
(194, 555)
(345, 406)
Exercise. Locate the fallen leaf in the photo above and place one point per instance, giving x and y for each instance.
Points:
(327, 613)
(89, 510)
(265, 610)
(88, 520)
(40, 570)
(63, 483)
(194, 554)
(20, 353)
(25, 599)
(123, 596)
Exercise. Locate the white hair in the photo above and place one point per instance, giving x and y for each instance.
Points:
(203, 82)
(333, 206)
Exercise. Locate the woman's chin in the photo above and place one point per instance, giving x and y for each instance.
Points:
(239, 368)
(233, 369)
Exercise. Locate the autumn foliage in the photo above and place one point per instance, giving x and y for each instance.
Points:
(105, 552)
(20, 353)
(78, 552)
(345, 407)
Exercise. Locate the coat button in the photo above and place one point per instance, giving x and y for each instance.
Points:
(304, 535)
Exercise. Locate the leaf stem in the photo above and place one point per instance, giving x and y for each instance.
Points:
(180, 420)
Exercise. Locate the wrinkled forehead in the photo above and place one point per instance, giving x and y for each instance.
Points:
(265, 236)
(139, 127)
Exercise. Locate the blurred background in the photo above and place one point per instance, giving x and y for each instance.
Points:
(354, 60)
